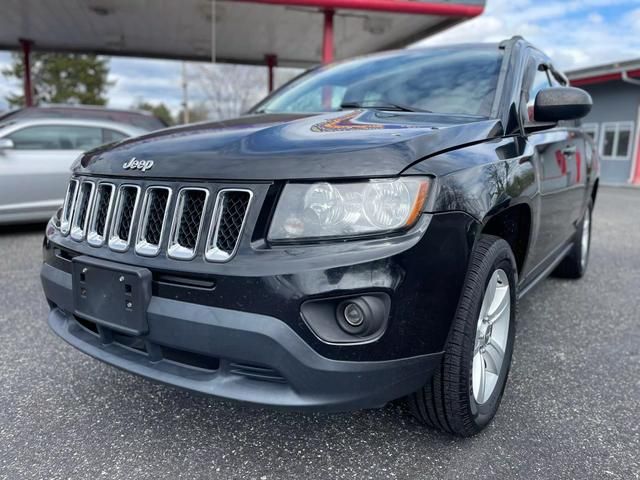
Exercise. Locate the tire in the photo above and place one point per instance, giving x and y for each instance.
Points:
(452, 400)
(575, 264)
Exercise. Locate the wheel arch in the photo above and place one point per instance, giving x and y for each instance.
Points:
(514, 225)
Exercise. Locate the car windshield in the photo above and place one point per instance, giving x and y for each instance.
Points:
(440, 80)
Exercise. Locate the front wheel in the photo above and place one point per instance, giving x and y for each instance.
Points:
(463, 395)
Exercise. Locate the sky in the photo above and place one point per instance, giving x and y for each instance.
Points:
(574, 33)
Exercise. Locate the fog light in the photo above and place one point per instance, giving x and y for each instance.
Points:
(353, 314)
(349, 319)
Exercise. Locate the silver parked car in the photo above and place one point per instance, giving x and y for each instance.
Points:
(35, 156)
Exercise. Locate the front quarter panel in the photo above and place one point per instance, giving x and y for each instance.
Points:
(483, 179)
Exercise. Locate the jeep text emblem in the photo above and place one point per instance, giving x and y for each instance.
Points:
(133, 164)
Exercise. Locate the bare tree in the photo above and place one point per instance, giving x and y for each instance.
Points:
(230, 90)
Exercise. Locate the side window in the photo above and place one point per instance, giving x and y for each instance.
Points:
(56, 137)
(109, 136)
(615, 142)
(539, 81)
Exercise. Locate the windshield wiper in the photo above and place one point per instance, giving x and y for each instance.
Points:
(383, 106)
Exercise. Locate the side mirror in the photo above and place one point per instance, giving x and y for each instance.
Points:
(6, 144)
(561, 103)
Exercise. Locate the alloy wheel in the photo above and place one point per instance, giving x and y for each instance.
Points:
(492, 333)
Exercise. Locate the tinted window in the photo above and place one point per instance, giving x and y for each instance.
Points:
(57, 137)
(539, 82)
(443, 80)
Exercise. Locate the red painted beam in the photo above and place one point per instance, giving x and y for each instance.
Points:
(327, 37)
(272, 62)
(393, 6)
(26, 59)
(607, 77)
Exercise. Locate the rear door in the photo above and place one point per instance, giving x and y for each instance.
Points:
(34, 173)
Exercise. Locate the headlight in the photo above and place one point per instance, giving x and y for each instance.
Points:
(322, 210)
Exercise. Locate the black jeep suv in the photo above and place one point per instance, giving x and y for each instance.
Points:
(363, 234)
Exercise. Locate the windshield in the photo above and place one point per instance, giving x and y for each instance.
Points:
(441, 80)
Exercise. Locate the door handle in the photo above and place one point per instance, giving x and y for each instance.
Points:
(569, 150)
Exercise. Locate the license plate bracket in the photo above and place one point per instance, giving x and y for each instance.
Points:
(111, 294)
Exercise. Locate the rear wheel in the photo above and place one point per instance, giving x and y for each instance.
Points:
(574, 265)
(463, 395)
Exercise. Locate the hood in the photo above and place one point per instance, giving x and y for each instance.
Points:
(356, 143)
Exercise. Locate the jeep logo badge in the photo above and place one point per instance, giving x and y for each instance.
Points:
(134, 164)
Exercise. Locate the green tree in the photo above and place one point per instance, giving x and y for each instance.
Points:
(62, 78)
(159, 111)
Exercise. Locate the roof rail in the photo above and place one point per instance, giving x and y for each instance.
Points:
(510, 41)
(81, 106)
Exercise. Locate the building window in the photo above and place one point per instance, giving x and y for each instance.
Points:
(615, 143)
(591, 130)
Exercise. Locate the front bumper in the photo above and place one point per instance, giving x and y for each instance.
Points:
(251, 357)
(243, 337)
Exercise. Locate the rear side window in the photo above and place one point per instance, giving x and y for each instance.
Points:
(57, 137)
(110, 136)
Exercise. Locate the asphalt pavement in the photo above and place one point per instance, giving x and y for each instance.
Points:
(571, 409)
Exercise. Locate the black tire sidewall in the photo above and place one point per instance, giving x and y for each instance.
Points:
(482, 414)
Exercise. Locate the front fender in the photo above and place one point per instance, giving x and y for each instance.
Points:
(483, 179)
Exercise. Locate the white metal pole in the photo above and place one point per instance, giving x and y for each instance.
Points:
(213, 31)
(185, 94)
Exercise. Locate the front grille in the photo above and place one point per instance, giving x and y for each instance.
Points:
(80, 215)
(229, 216)
(100, 215)
(154, 215)
(103, 212)
(187, 223)
(122, 223)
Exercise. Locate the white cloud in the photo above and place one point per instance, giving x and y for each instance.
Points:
(574, 33)
(595, 18)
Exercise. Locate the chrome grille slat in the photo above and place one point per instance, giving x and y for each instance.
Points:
(81, 212)
(187, 223)
(229, 218)
(101, 214)
(155, 209)
(69, 204)
(124, 217)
